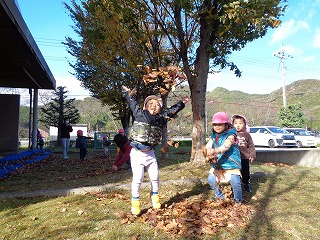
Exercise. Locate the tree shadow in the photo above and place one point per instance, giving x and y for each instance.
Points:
(260, 226)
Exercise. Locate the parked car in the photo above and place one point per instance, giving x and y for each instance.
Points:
(271, 136)
(303, 137)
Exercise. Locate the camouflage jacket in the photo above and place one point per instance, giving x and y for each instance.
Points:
(147, 128)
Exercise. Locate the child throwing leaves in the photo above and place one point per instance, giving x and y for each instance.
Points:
(145, 135)
(223, 149)
(247, 148)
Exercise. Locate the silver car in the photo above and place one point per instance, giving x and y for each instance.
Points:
(303, 137)
(271, 136)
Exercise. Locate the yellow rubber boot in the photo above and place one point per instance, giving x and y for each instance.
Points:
(155, 201)
(135, 206)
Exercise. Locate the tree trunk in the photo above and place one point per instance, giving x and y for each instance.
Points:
(164, 155)
(198, 97)
(61, 116)
(125, 121)
(198, 88)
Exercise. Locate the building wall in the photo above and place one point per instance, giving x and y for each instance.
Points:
(73, 134)
(9, 122)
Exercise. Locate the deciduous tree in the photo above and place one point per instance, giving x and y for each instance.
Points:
(200, 34)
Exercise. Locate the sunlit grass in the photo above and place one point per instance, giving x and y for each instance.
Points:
(285, 198)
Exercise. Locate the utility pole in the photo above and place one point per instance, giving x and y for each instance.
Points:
(282, 56)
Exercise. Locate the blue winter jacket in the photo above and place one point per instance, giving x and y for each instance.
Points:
(231, 159)
(81, 142)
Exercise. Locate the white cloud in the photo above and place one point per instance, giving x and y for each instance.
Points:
(73, 86)
(316, 39)
(308, 59)
(288, 29)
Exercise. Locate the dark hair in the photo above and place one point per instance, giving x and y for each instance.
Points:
(120, 140)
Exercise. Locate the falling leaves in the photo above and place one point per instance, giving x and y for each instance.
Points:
(167, 78)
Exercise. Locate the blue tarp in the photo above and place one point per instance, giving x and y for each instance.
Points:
(9, 163)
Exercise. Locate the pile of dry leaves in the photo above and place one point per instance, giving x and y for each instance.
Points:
(193, 218)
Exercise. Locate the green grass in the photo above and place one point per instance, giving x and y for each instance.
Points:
(285, 201)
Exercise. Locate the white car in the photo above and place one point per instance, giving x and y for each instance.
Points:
(271, 136)
(303, 137)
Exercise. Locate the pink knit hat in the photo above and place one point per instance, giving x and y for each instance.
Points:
(79, 133)
(220, 117)
(121, 130)
(245, 120)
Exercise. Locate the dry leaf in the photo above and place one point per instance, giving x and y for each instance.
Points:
(164, 149)
(64, 210)
(80, 212)
(124, 220)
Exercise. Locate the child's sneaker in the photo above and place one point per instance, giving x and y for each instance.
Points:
(155, 201)
(135, 206)
(247, 187)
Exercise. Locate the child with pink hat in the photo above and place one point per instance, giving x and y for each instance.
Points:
(226, 164)
(81, 144)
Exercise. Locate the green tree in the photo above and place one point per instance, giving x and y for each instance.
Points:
(96, 115)
(292, 116)
(112, 46)
(24, 116)
(53, 113)
(199, 34)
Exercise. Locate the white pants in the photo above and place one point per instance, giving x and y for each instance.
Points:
(139, 162)
(65, 146)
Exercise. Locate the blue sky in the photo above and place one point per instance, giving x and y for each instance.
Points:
(299, 34)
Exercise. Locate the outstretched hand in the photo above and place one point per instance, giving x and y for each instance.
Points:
(186, 99)
(129, 91)
(125, 88)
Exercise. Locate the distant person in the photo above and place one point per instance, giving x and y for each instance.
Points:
(40, 141)
(106, 143)
(246, 147)
(124, 151)
(38, 134)
(65, 129)
(223, 148)
(81, 144)
(146, 135)
(122, 132)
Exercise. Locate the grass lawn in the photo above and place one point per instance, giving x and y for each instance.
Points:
(284, 203)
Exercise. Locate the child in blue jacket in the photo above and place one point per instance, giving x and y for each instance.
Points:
(227, 164)
(81, 144)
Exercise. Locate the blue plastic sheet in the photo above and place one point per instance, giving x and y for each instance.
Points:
(9, 163)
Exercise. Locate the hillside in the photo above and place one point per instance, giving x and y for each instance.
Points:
(262, 109)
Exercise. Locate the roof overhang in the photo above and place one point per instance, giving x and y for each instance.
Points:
(21, 62)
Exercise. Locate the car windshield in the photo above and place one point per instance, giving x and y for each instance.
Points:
(301, 132)
(277, 130)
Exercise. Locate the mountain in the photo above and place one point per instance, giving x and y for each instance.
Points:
(262, 109)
